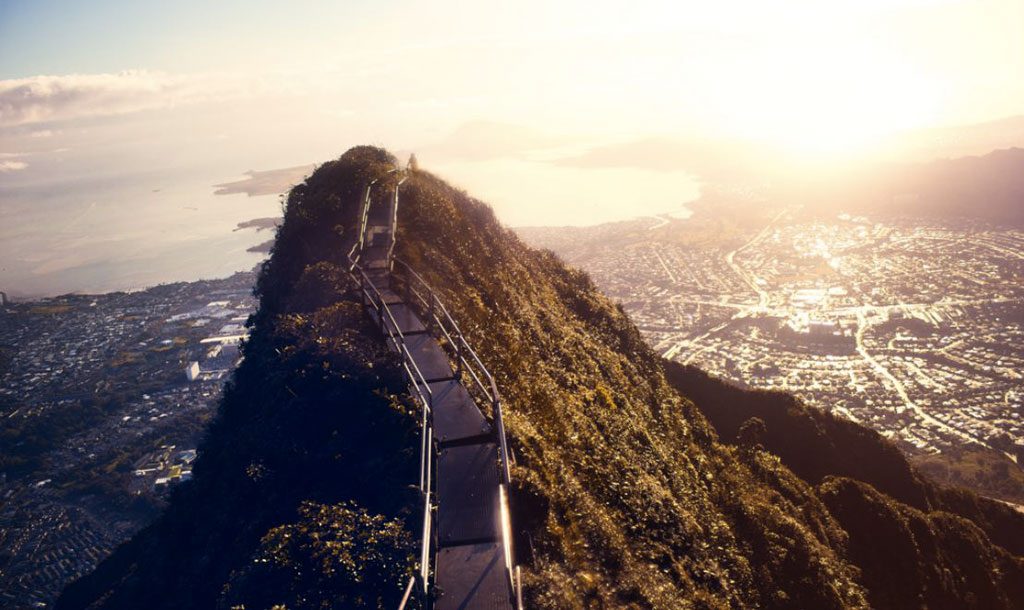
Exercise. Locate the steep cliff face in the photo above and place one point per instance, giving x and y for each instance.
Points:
(301, 489)
(624, 496)
(628, 498)
(916, 543)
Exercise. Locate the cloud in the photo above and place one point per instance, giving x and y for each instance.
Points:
(40, 99)
(12, 166)
(486, 140)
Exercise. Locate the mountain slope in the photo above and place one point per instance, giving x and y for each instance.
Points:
(624, 496)
(816, 444)
(976, 190)
(894, 516)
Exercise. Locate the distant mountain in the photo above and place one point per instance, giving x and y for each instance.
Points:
(957, 141)
(988, 188)
(625, 496)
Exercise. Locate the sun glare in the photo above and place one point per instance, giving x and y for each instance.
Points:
(826, 99)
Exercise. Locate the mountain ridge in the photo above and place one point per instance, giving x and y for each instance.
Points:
(624, 493)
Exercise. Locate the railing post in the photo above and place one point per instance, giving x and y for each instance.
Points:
(408, 593)
(425, 551)
(506, 473)
(458, 356)
(430, 317)
(424, 455)
(519, 589)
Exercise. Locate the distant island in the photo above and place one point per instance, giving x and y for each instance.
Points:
(637, 482)
(267, 182)
(259, 224)
(261, 248)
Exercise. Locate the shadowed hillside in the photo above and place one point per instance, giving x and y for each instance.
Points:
(816, 444)
(625, 498)
(870, 487)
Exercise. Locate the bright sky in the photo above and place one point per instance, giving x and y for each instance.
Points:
(555, 112)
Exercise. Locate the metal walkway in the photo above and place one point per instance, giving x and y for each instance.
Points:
(466, 559)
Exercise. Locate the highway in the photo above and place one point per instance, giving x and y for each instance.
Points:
(901, 390)
(743, 310)
(661, 260)
(748, 276)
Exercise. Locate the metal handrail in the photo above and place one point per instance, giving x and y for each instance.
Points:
(364, 213)
(419, 384)
(433, 305)
(456, 337)
(394, 221)
(364, 216)
(438, 316)
(397, 337)
(408, 593)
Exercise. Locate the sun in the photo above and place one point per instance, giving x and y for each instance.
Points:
(833, 101)
(852, 111)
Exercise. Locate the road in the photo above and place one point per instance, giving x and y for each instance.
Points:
(901, 390)
(662, 221)
(748, 276)
(671, 352)
(668, 272)
(742, 310)
(694, 347)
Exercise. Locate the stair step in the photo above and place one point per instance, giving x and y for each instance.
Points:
(380, 278)
(473, 576)
(426, 352)
(455, 414)
(389, 296)
(373, 257)
(467, 494)
(405, 318)
(379, 218)
(470, 569)
(373, 253)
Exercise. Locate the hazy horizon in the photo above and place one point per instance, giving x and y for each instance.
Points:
(117, 120)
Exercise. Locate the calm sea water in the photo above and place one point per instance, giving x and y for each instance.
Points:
(92, 232)
(125, 238)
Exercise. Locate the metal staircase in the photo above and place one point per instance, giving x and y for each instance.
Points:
(466, 558)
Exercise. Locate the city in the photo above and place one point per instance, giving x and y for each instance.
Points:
(915, 330)
(103, 400)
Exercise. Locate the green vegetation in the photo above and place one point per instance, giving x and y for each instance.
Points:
(47, 310)
(628, 499)
(624, 496)
(314, 431)
(977, 468)
(913, 559)
(817, 445)
(350, 548)
(25, 441)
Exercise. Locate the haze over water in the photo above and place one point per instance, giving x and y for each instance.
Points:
(116, 118)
